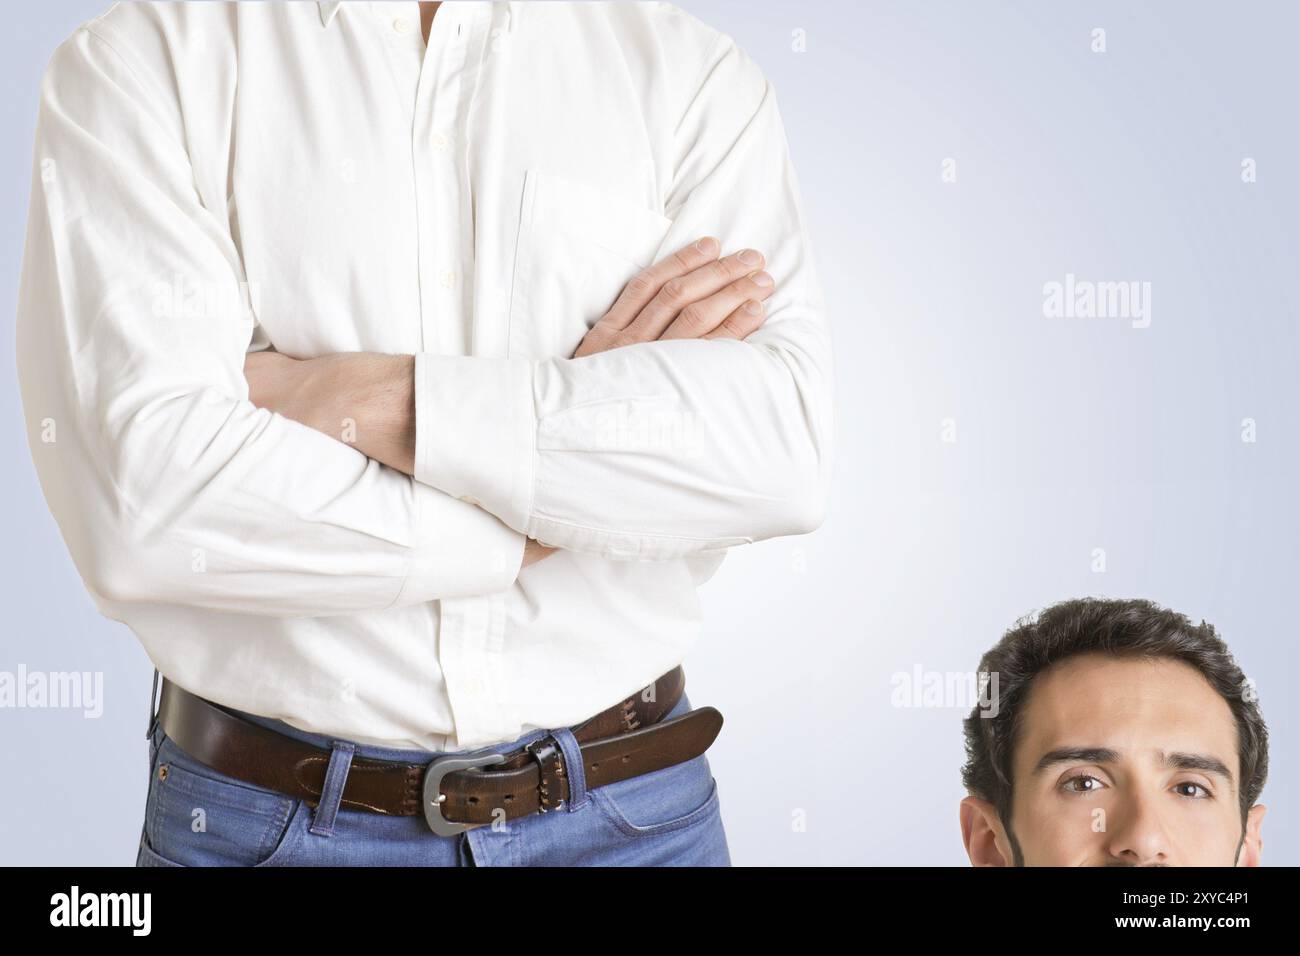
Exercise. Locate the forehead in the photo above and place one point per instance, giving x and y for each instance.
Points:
(1136, 706)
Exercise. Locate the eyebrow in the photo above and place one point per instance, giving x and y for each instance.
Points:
(1202, 762)
(1174, 761)
(1075, 755)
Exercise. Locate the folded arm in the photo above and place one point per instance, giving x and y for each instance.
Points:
(671, 447)
(685, 423)
(367, 398)
(170, 485)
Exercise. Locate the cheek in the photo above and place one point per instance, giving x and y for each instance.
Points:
(1057, 832)
(1205, 835)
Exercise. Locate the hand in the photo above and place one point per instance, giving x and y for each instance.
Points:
(691, 294)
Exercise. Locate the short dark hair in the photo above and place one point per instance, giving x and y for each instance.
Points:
(1132, 628)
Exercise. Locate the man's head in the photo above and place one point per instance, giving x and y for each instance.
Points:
(1123, 735)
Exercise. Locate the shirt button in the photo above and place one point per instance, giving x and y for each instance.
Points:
(446, 278)
(441, 141)
(401, 25)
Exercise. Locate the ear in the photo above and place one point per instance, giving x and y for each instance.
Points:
(1253, 845)
(981, 831)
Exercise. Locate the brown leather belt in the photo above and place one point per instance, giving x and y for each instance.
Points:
(457, 791)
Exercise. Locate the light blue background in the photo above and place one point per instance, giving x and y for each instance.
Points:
(1071, 434)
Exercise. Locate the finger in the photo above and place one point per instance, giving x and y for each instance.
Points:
(645, 285)
(701, 318)
(741, 323)
(676, 294)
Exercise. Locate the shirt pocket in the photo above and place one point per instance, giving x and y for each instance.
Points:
(577, 247)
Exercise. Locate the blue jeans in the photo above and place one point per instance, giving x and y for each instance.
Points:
(195, 816)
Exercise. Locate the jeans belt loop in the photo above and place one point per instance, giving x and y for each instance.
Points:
(573, 768)
(336, 775)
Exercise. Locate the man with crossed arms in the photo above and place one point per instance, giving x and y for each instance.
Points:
(317, 300)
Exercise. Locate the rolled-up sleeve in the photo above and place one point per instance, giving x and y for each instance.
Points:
(168, 485)
(664, 449)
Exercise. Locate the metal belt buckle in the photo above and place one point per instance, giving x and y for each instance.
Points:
(434, 798)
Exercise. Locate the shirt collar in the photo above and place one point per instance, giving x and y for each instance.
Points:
(327, 11)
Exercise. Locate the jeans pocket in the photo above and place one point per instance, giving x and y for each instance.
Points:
(661, 801)
(196, 816)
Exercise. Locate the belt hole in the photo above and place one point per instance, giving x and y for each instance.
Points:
(473, 800)
(509, 797)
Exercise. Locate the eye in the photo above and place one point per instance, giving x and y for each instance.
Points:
(1192, 791)
(1082, 783)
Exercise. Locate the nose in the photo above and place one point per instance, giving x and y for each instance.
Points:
(1136, 835)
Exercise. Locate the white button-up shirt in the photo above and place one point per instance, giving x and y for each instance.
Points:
(214, 178)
